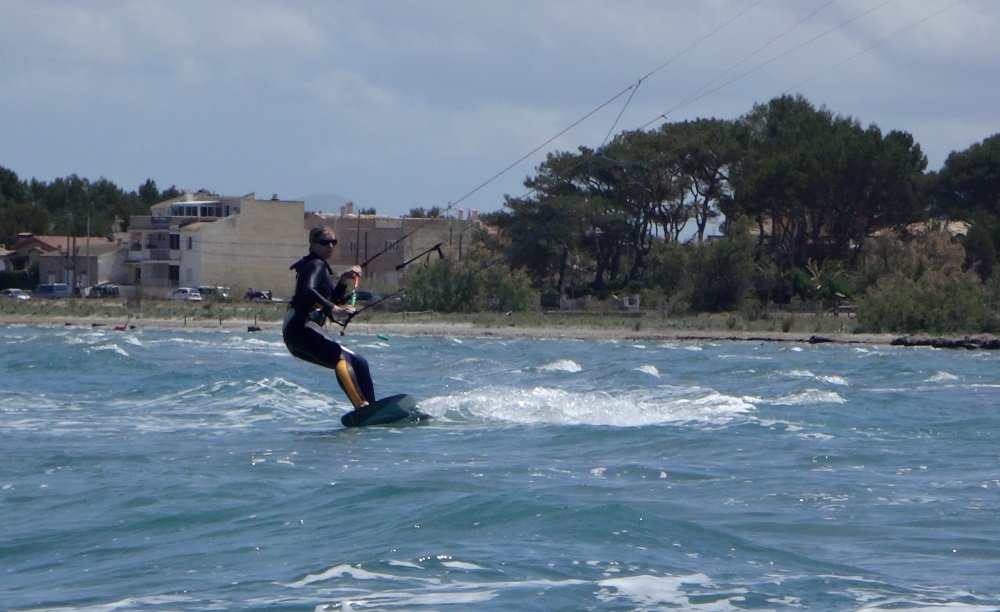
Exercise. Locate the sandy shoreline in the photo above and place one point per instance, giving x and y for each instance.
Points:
(466, 330)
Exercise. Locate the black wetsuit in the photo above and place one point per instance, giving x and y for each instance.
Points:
(305, 338)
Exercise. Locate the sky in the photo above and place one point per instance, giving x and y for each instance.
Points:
(403, 104)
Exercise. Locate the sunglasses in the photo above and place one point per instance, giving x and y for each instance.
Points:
(325, 242)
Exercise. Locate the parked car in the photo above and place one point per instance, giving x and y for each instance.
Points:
(53, 290)
(17, 294)
(185, 293)
(213, 292)
(103, 290)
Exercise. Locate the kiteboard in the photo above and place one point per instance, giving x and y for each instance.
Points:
(398, 409)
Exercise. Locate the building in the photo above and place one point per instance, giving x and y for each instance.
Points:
(77, 261)
(387, 244)
(206, 239)
(28, 247)
(88, 262)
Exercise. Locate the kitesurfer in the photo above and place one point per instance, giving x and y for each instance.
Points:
(315, 301)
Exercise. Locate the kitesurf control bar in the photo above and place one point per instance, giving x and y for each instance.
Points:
(343, 326)
(436, 247)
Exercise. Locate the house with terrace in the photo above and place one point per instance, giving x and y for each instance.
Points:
(201, 238)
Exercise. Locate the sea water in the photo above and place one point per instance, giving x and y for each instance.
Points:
(186, 469)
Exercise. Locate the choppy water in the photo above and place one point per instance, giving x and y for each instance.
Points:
(193, 470)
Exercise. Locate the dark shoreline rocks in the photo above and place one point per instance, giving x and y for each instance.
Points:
(990, 343)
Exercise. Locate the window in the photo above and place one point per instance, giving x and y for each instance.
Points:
(390, 245)
(190, 242)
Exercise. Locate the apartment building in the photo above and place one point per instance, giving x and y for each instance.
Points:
(200, 238)
(206, 239)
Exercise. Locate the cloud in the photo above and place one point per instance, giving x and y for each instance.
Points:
(401, 103)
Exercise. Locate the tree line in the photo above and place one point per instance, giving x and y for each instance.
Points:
(810, 206)
(71, 206)
(787, 204)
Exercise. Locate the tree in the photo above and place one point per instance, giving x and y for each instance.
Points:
(816, 185)
(980, 250)
(705, 148)
(421, 212)
(543, 236)
(969, 181)
(12, 188)
(17, 212)
(724, 271)
(71, 205)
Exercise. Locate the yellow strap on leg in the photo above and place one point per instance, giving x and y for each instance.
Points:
(346, 377)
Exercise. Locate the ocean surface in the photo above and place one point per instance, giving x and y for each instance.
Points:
(187, 469)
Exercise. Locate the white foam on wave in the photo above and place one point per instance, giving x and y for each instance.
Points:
(463, 565)
(650, 591)
(681, 346)
(830, 379)
(809, 397)
(132, 339)
(550, 406)
(225, 405)
(338, 571)
(800, 374)
(648, 369)
(138, 603)
(561, 365)
(114, 348)
(416, 590)
(942, 377)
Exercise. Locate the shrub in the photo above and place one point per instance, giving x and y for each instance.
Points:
(919, 286)
(934, 303)
(467, 286)
(724, 270)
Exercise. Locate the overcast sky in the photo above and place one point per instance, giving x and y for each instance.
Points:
(404, 104)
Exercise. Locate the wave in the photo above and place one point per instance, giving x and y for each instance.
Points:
(550, 406)
(831, 379)
(808, 397)
(561, 365)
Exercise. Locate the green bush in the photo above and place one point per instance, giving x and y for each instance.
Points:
(920, 286)
(467, 286)
(724, 271)
(933, 303)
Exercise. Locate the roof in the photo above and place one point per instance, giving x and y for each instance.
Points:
(42, 242)
(97, 246)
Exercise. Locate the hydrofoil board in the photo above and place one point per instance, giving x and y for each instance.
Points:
(399, 409)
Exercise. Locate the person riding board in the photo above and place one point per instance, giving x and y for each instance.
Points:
(315, 301)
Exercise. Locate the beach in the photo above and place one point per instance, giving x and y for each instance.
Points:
(467, 329)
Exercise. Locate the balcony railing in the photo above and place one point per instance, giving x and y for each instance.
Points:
(150, 223)
(154, 255)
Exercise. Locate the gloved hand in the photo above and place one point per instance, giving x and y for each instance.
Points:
(349, 276)
(342, 314)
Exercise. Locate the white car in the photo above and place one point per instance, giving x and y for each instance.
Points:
(185, 293)
(17, 294)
